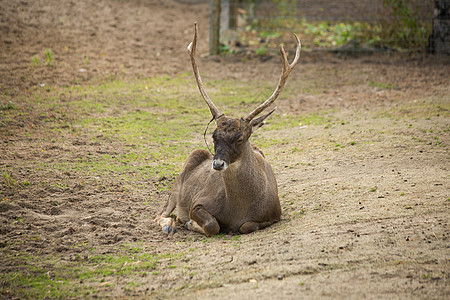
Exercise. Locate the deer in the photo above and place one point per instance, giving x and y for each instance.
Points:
(234, 190)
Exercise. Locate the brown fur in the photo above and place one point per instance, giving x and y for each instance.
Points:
(243, 198)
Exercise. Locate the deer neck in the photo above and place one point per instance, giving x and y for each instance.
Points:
(242, 179)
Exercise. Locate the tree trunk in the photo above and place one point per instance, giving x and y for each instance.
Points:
(439, 40)
(214, 27)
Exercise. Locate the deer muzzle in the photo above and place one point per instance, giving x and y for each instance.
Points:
(219, 164)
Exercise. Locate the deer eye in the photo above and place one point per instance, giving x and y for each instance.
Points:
(240, 139)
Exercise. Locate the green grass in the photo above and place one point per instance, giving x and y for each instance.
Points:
(397, 26)
(49, 56)
(9, 105)
(381, 86)
(52, 276)
(153, 123)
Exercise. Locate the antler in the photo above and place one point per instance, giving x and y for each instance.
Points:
(287, 68)
(191, 49)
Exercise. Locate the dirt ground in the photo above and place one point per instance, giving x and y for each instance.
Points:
(365, 200)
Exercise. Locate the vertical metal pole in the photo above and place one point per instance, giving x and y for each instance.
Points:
(214, 26)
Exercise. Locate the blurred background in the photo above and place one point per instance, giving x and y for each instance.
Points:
(337, 25)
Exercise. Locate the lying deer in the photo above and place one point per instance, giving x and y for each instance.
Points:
(234, 190)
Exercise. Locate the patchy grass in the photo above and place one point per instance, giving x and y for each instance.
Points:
(136, 131)
(55, 276)
(154, 122)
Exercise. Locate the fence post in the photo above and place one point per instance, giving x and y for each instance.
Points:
(228, 15)
(214, 26)
(232, 15)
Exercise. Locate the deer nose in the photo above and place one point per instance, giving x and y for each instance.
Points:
(219, 165)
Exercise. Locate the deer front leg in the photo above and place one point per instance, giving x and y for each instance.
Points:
(248, 227)
(164, 220)
(202, 221)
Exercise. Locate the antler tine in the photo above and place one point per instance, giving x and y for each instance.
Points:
(191, 49)
(287, 68)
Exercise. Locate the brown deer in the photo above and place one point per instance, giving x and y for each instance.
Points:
(235, 190)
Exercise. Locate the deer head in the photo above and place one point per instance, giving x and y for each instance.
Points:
(231, 135)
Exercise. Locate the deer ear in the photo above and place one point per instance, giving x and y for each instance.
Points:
(258, 122)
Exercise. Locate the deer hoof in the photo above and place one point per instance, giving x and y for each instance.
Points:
(187, 224)
(168, 229)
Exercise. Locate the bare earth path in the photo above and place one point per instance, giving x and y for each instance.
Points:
(363, 179)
